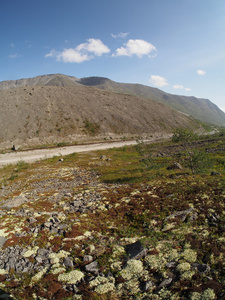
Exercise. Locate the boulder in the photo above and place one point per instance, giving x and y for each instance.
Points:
(135, 251)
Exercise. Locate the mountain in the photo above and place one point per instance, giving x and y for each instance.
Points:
(35, 114)
(201, 109)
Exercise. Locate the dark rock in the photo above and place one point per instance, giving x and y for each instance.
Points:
(92, 267)
(201, 268)
(165, 282)
(135, 251)
(68, 262)
(215, 174)
(15, 148)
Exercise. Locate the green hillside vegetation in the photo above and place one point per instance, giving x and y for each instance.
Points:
(129, 223)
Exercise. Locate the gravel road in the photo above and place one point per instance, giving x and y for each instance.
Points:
(34, 155)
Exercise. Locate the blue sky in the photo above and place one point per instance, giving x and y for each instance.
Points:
(175, 45)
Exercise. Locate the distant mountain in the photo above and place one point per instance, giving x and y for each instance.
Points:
(201, 109)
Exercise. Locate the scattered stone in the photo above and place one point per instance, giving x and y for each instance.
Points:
(92, 267)
(201, 268)
(15, 202)
(88, 258)
(180, 214)
(32, 220)
(175, 166)
(147, 285)
(68, 262)
(15, 147)
(135, 251)
(215, 174)
(2, 241)
(104, 158)
(61, 159)
(165, 282)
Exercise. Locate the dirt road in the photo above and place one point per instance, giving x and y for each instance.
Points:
(34, 155)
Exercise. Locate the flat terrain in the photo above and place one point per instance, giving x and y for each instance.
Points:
(34, 155)
(137, 222)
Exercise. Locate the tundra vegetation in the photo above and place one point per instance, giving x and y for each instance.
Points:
(137, 222)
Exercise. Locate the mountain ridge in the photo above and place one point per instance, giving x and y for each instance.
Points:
(199, 108)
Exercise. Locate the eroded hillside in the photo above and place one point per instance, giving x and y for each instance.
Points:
(48, 114)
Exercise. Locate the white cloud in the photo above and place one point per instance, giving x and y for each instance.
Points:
(12, 56)
(181, 87)
(72, 56)
(178, 87)
(135, 47)
(122, 35)
(187, 89)
(93, 45)
(81, 53)
(12, 45)
(158, 80)
(201, 72)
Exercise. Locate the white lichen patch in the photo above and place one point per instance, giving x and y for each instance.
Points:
(72, 277)
(133, 269)
(183, 267)
(125, 199)
(116, 266)
(189, 255)
(2, 272)
(3, 233)
(105, 288)
(30, 252)
(58, 270)
(187, 275)
(208, 294)
(129, 240)
(132, 286)
(60, 254)
(169, 226)
(38, 276)
(173, 255)
(117, 251)
(102, 284)
(156, 262)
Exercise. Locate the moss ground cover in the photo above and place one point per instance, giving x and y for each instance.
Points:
(85, 209)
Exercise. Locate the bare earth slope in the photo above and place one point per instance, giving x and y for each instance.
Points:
(40, 114)
(202, 109)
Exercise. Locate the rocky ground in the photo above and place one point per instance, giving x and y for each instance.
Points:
(65, 234)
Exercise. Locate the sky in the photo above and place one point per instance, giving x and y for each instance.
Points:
(177, 46)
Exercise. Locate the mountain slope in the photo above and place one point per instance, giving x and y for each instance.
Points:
(45, 113)
(202, 109)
